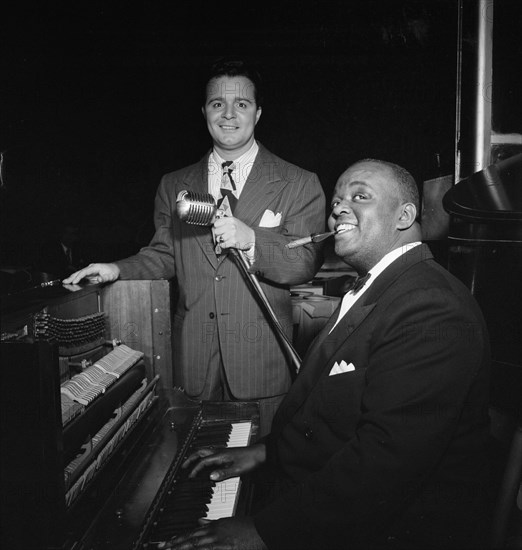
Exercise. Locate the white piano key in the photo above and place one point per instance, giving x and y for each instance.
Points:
(224, 497)
(225, 493)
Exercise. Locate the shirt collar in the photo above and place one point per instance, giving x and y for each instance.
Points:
(248, 156)
(350, 298)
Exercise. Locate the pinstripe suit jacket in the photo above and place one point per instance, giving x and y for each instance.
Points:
(215, 300)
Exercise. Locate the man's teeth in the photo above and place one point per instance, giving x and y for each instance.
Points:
(345, 227)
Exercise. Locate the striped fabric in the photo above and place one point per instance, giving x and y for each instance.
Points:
(214, 297)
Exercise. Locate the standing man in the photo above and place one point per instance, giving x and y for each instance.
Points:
(381, 441)
(225, 348)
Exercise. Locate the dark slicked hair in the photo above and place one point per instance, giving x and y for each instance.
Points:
(409, 192)
(226, 66)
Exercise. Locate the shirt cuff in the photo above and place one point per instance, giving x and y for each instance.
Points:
(250, 254)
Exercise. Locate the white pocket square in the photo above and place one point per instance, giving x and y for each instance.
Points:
(339, 368)
(270, 219)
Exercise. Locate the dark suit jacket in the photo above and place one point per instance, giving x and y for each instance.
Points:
(215, 300)
(393, 452)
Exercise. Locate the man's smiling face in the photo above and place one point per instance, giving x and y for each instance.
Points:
(366, 209)
(231, 113)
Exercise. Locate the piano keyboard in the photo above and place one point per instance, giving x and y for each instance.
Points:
(224, 494)
(188, 500)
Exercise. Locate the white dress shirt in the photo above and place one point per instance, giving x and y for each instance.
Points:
(350, 298)
(243, 165)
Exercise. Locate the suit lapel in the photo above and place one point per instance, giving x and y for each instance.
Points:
(395, 270)
(259, 190)
(196, 180)
(320, 354)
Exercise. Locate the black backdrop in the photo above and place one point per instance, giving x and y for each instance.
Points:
(101, 98)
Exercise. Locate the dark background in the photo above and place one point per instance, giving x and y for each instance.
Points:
(101, 98)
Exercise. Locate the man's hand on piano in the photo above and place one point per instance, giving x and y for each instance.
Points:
(94, 273)
(226, 463)
(222, 534)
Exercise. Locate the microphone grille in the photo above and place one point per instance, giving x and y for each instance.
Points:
(196, 208)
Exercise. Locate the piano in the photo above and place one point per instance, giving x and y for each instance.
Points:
(155, 500)
(93, 433)
(485, 252)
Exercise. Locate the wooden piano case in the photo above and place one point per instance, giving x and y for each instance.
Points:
(45, 502)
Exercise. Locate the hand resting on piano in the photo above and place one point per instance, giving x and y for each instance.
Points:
(227, 533)
(95, 273)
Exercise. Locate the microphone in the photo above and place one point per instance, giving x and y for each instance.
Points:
(197, 208)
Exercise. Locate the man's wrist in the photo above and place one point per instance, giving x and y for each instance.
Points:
(250, 252)
(259, 455)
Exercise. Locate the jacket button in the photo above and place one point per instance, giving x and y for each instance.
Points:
(211, 315)
(309, 433)
(218, 278)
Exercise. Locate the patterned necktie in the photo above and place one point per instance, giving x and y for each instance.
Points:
(359, 282)
(228, 199)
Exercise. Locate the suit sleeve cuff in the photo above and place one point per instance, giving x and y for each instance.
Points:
(250, 253)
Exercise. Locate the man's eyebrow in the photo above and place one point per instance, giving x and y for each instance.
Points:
(358, 182)
(221, 98)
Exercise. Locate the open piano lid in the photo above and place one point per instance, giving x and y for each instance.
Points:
(493, 194)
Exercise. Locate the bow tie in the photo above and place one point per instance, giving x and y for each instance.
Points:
(359, 282)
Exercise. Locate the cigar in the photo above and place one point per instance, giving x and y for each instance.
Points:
(313, 238)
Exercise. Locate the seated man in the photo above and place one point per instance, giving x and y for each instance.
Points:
(380, 442)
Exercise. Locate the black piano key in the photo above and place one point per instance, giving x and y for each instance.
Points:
(218, 434)
(188, 499)
(192, 485)
(186, 504)
(176, 514)
(188, 496)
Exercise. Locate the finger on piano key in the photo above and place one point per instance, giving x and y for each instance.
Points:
(191, 500)
(198, 455)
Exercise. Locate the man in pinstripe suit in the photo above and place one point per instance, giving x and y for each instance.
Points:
(225, 349)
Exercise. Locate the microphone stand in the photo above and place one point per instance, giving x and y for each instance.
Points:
(242, 262)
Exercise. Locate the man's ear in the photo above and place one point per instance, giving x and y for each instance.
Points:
(408, 214)
(203, 112)
(258, 114)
